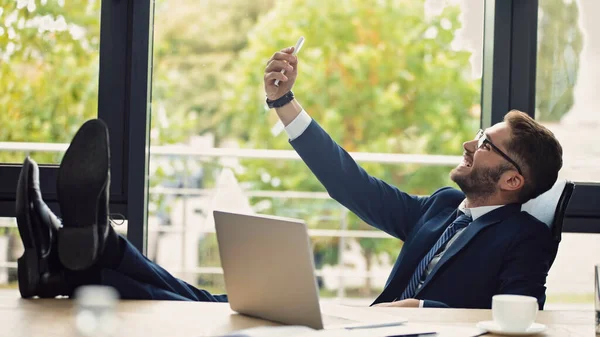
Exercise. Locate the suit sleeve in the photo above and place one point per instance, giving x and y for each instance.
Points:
(526, 265)
(434, 304)
(374, 201)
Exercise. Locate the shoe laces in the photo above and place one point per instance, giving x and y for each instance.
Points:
(116, 218)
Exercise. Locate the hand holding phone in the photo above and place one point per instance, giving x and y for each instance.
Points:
(297, 48)
(274, 69)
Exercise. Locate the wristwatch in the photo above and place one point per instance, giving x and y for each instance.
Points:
(281, 101)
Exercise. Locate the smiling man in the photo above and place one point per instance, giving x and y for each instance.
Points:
(460, 247)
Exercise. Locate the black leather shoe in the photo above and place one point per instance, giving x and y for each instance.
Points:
(83, 188)
(39, 270)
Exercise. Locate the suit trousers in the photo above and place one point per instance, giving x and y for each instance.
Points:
(138, 278)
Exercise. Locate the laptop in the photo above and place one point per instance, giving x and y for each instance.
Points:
(269, 270)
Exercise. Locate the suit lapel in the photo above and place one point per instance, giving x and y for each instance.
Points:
(469, 233)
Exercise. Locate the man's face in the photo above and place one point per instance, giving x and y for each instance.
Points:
(482, 167)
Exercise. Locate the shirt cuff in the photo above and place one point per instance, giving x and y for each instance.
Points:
(297, 127)
(421, 303)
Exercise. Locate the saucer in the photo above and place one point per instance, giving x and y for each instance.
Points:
(493, 327)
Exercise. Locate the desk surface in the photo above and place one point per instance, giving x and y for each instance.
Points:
(50, 318)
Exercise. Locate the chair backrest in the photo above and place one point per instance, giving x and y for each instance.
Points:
(550, 207)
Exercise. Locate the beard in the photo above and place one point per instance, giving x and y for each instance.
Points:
(480, 183)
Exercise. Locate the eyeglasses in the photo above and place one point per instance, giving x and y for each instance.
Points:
(483, 139)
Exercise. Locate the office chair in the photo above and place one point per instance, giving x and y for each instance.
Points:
(550, 207)
(561, 208)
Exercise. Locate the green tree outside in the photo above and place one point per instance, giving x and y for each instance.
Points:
(48, 71)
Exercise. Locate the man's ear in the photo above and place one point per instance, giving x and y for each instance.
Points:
(511, 181)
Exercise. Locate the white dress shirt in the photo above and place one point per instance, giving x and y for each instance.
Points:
(301, 123)
(298, 125)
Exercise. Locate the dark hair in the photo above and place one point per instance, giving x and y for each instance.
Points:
(537, 151)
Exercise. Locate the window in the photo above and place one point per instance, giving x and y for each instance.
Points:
(568, 104)
(49, 52)
(50, 84)
(386, 77)
(567, 82)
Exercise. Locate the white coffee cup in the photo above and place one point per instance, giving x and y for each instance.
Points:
(514, 313)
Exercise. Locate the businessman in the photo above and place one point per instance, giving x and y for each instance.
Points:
(460, 247)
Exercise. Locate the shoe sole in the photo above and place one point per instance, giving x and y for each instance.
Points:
(28, 272)
(82, 177)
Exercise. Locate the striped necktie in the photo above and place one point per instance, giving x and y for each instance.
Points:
(460, 222)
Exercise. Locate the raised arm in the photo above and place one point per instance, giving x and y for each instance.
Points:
(376, 202)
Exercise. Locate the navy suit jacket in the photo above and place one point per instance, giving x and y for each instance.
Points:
(505, 251)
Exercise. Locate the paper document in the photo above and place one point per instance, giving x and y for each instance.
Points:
(360, 315)
(407, 329)
(299, 331)
(273, 331)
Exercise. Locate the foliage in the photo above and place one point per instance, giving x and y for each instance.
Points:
(49, 70)
(191, 52)
(379, 79)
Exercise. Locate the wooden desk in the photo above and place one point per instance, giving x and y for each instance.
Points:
(54, 318)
